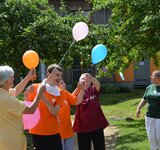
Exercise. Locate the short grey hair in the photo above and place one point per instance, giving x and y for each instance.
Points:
(82, 76)
(6, 73)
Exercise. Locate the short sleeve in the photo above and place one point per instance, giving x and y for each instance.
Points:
(71, 98)
(145, 94)
(31, 92)
(14, 106)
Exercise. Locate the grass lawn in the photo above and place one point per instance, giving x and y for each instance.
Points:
(132, 134)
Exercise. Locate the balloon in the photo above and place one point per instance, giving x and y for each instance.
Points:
(30, 59)
(80, 31)
(122, 76)
(99, 52)
(30, 120)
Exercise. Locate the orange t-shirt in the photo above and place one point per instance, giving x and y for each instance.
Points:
(48, 124)
(67, 99)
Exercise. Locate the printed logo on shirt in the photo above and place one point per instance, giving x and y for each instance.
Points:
(65, 102)
(92, 97)
(53, 100)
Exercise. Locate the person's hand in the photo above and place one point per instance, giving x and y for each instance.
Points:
(42, 88)
(80, 85)
(32, 74)
(138, 113)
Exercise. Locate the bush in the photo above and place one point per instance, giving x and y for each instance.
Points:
(122, 89)
(108, 88)
(113, 89)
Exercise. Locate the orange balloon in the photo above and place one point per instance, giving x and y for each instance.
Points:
(30, 59)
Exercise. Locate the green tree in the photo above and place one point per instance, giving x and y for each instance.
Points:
(131, 35)
(35, 25)
(15, 17)
(133, 31)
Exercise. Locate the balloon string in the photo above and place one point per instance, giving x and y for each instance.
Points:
(90, 67)
(65, 53)
(61, 59)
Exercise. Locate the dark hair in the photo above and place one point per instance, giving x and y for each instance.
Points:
(157, 73)
(53, 67)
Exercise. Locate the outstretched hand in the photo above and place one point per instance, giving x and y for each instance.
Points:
(32, 74)
(138, 113)
(42, 88)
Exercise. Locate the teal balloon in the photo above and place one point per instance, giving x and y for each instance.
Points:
(99, 52)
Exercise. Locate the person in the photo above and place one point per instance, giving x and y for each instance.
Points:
(46, 134)
(66, 130)
(89, 119)
(152, 118)
(11, 110)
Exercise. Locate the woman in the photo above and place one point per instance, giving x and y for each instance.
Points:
(152, 118)
(89, 119)
(11, 110)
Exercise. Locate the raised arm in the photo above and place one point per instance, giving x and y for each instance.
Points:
(95, 82)
(19, 88)
(78, 88)
(80, 97)
(31, 109)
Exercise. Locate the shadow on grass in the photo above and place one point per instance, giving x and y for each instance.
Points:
(112, 99)
(130, 132)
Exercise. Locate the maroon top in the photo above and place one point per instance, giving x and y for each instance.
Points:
(89, 116)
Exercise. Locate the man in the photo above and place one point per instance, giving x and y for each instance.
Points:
(46, 134)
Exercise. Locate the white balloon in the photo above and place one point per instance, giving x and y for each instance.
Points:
(80, 31)
(122, 76)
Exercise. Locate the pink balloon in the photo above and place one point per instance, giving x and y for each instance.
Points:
(80, 31)
(30, 120)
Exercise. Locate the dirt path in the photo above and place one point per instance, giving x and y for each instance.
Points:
(110, 134)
